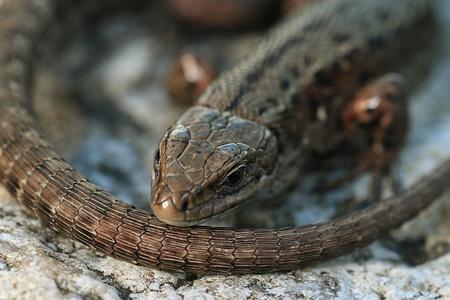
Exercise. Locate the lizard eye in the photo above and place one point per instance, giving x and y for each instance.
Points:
(235, 177)
(156, 166)
(157, 157)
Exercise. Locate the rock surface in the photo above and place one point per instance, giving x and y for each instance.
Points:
(412, 262)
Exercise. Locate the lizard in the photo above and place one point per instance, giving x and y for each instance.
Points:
(68, 202)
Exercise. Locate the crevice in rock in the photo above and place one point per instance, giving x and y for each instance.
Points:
(411, 251)
(124, 293)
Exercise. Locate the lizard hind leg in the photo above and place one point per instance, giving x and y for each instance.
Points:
(379, 114)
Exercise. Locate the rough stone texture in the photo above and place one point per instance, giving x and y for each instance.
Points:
(123, 112)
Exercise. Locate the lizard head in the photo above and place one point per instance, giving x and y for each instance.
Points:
(209, 162)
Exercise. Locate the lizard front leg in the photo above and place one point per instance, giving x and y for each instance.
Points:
(378, 114)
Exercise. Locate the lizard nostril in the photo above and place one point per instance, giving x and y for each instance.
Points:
(184, 205)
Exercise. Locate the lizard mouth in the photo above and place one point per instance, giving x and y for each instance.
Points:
(179, 209)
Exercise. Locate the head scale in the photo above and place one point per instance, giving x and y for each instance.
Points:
(210, 162)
